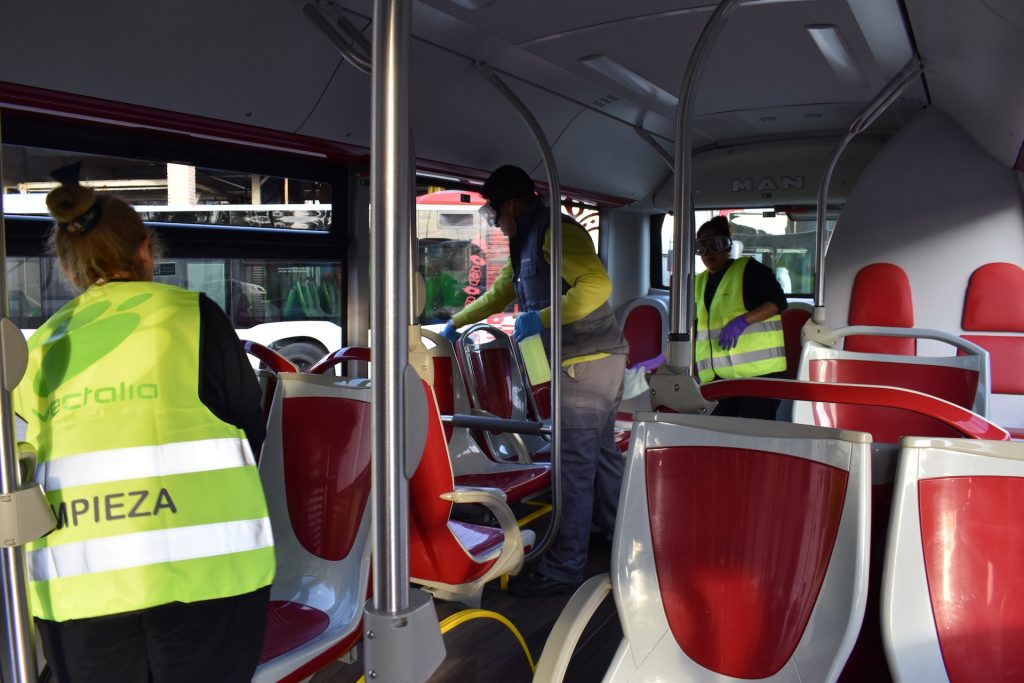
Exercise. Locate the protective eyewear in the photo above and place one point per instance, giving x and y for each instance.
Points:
(489, 214)
(706, 246)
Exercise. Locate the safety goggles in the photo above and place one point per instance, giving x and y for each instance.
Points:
(491, 209)
(705, 246)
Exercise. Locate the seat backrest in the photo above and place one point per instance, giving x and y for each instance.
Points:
(757, 533)
(644, 324)
(793, 319)
(988, 308)
(881, 296)
(961, 380)
(315, 470)
(951, 595)
(434, 552)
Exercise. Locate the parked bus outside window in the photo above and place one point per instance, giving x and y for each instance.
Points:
(291, 305)
(461, 256)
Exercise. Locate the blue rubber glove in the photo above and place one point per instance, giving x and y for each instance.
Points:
(527, 325)
(730, 334)
(450, 333)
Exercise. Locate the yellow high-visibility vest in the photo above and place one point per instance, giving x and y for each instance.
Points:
(157, 499)
(760, 350)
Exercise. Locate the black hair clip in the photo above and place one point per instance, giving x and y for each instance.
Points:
(82, 223)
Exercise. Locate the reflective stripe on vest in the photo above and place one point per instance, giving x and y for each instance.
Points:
(759, 350)
(157, 499)
(148, 547)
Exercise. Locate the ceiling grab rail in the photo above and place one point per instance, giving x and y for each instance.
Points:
(353, 50)
(673, 385)
(401, 636)
(886, 96)
(555, 192)
(24, 512)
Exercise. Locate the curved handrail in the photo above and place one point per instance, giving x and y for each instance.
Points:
(272, 359)
(967, 347)
(361, 353)
(970, 425)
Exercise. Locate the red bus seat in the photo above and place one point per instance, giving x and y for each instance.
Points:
(454, 559)
(953, 603)
(513, 480)
(753, 561)
(644, 322)
(793, 319)
(961, 380)
(315, 469)
(271, 363)
(988, 308)
(881, 297)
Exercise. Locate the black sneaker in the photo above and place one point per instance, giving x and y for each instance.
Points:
(538, 585)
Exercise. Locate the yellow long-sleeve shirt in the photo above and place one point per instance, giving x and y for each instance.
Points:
(582, 270)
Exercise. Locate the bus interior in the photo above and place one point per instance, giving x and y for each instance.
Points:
(315, 167)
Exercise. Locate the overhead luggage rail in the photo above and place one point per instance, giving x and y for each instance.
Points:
(741, 553)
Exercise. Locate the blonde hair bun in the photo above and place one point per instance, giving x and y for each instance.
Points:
(68, 202)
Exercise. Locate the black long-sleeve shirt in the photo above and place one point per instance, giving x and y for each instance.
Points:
(227, 383)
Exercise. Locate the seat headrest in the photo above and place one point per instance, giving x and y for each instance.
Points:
(993, 302)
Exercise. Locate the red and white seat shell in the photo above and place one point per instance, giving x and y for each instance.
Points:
(952, 590)
(741, 553)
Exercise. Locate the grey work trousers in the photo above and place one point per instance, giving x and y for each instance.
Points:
(591, 463)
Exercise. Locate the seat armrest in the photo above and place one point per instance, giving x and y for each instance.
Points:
(510, 560)
(561, 642)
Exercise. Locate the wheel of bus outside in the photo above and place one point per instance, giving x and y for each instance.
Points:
(302, 354)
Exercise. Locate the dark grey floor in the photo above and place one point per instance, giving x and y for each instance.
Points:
(485, 650)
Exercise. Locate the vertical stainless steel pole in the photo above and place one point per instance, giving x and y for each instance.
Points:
(20, 649)
(390, 223)
(682, 249)
(555, 190)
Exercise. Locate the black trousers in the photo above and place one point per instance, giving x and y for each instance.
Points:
(750, 406)
(210, 641)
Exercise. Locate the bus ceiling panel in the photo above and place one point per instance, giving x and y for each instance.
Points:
(973, 52)
(261, 63)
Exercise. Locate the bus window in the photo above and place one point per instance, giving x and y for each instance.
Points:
(292, 304)
(460, 256)
(782, 240)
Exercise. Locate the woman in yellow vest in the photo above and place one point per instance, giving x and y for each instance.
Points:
(739, 329)
(145, 415)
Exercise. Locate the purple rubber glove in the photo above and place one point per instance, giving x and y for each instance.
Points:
(652, 364)
(450, 333)
(730, 334)
(527, 325)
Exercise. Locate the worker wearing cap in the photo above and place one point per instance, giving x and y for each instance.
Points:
(594, 360)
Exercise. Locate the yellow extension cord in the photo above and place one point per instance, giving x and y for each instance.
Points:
(465, 615)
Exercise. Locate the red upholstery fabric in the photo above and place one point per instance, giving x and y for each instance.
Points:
(642, 329)
(326, 471)
(1006, 361)
(434, 552)
(476, 539)
(793, 320)
(290, 625)
(741, 540)
(444, 390)
(993, 302)
(517, 484)
(974, 561)
(956, 385)
(881, 296)
(493, 367)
